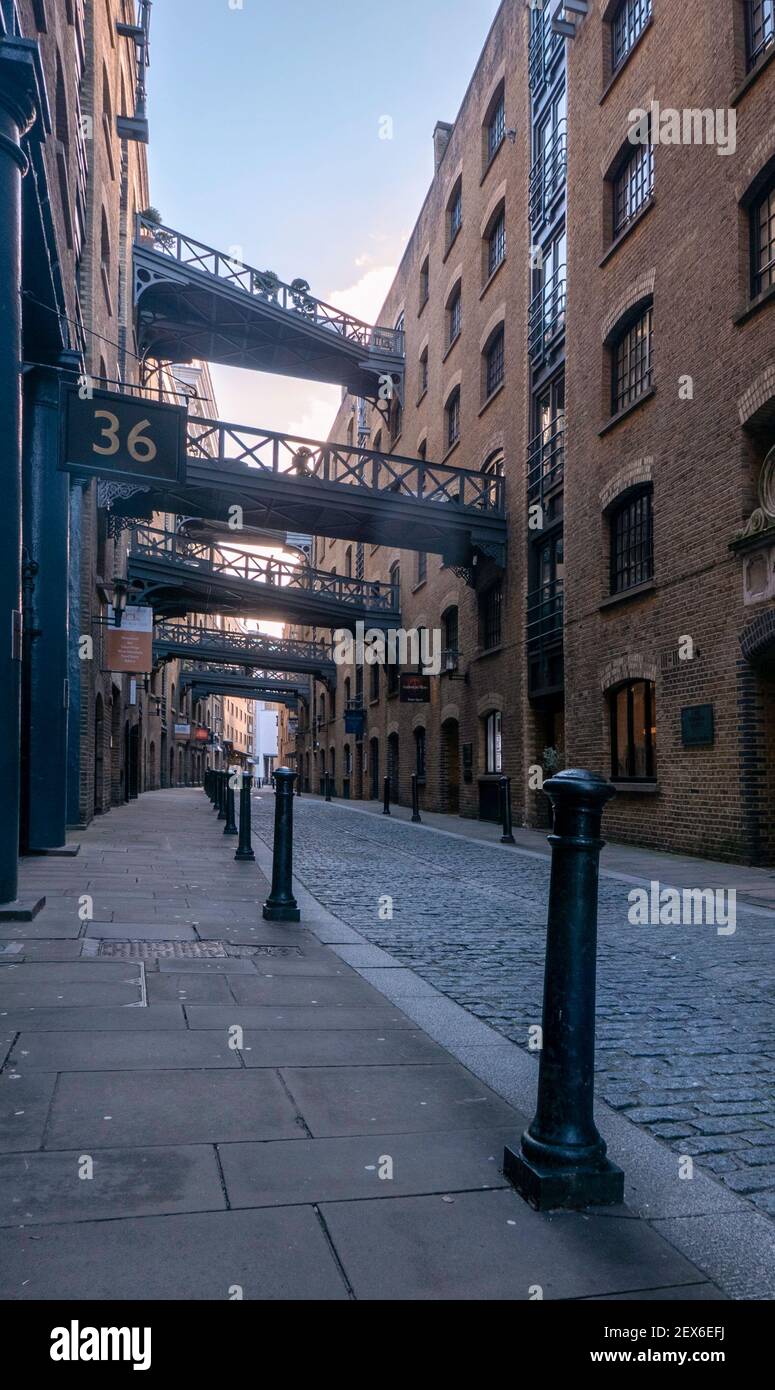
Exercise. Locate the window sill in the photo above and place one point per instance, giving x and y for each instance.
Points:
(421, 397)
(451, 450)
(766, 297)
(628, 410)
(614, 78)
(423, 305)
(419, 585)
(395, 441)
(616, 243)
(491, 398)
(753, 76)
(450, 244)
(637, 591)
(492, 158)
(485, 652)
(638, 788)
(374, 701)
(450, 345)
(490, 278)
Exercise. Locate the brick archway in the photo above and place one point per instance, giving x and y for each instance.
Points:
(758, 639)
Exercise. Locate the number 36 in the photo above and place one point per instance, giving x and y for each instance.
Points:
(139, 447)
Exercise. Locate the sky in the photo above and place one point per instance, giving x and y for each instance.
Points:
(265, 143)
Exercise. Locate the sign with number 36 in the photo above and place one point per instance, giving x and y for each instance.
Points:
(110, 435)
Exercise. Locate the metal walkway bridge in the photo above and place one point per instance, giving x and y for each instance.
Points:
(250, 650)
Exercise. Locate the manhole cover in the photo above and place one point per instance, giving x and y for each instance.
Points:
(265, 951)
(149, 950)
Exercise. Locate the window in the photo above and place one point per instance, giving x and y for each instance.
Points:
(760, 28)
(763, 237)
(396, 418)
(633, 732)
(496, 126)
(454, 314)
(493, 467)
(419, 752)
(547, 307)
(547, 173)
(348, 562)
(452, 413)
(494, 363)
(546, 451)
(496, 243)
(425, 282)
(633, 186)
(632, 542)
(423, 379)
(359, 561)
(105, 257)
(422, 450)
(455, 212)
(629, 21)
(632, 371)
(493, 756)
(422, 566)
(374, 682)
(490, 605)
(451, 651)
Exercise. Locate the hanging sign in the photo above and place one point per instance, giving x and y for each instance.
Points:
(109, 435)
(415, 688)
(130, 646)
(354, 722)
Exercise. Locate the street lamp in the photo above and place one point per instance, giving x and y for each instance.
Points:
(116, 594)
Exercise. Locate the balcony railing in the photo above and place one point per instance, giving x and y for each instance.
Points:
(544, 47)
(545, 614)
(547, 315)
(546, 459)
(265, 645)
(233, 563)
(265, 287)
(547, 176)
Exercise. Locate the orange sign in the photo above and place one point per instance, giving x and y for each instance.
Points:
(130, 646)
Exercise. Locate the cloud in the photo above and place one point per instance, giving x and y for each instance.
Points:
(365, 298)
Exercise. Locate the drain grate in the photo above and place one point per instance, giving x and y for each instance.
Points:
(265, 951)
(149, 950)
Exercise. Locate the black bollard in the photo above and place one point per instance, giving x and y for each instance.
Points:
(281, 906)
(507, 838)
(328, 786)
(245, 848)
(230, 827)
(386, 797)
(562, 1159)
(223, 778)
(298, 785)
(415, 800)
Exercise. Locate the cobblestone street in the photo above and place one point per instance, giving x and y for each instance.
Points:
(685, 1044)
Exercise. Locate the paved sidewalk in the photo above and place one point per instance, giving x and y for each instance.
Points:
(198, 1105)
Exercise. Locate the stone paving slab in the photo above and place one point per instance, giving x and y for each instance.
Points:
(41, 930)
(138, 931)
(439, 1247)
(169, 1107)
(393, 1100)
(24, 1107)
(742, 1246)
(319, 990)
(44, 1187)
(71, 973)
(270, 1255)
(208, 989)
(123, 1018)
(328, 1047)
(329, 1170)
(25, 996)
(114, 1051)
(29, 951)
(338, 1016)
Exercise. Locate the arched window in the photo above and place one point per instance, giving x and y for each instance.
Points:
(493, 753)
(105, 257)
(451, 654)
(632, 709)
(455, 211)
(495, 241)
(495, 124)
(61, 123)
(628, 21)
(452, 418)
(454, 313)
(425, 282)
(632, 541)
(494, 362)
(631, 361)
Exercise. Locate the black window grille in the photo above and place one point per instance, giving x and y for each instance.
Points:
(633, 732)
(632, 365)
(455, 314)
(496, 248)
(629, 21)
(633, 186)
(424, 373)
(490, 617)
(496, 363)
(456, 212)
(760, 28)
(453, 418)
(632, 542)
(359, 561)
(425, 281)
(763, 233)
(497, 127)
(422, 566)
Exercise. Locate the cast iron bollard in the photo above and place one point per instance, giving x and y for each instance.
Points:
(230, 827)
(281, 906)
(415, 800)
(328, 786)
(298, 785)
(223, 778)
(562, 1161)
(245, 848)
(386, 797)
(507, 838)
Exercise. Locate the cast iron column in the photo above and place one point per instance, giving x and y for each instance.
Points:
(281, 906)
(415, 800)
(328, 786)
(386, 797)
(18, 93)
(245, 848)
(223, 778)
(230, 827)
(562, 1160)
(507, 838)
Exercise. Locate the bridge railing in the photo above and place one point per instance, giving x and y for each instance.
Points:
(265, 286)
(261, 644)
(233, 562)
(293, 456)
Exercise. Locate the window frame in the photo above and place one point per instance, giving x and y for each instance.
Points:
(495, 360)
(625, 360)
(629, 198)
(496, 241)
(491, 617)
(452, 417)
(493, 743)
(631, 18)
(759, 270)
(455, 211)
(631, 540)
(495, 125)
(631, 747)
(755, 52)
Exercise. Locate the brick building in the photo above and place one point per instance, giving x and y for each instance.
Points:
(588, 313)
